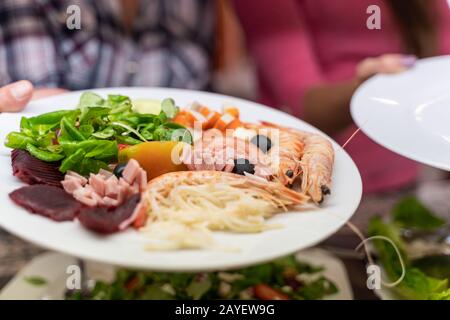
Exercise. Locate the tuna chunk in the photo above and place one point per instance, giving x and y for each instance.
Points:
(48, 201)
(34, 171)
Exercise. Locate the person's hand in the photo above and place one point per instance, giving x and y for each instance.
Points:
(387, 63)
(15, 96)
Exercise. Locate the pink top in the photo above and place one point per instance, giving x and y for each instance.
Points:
(298, 44)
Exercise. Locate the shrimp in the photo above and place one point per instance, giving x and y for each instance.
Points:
(273, 193)
(285, 153)
(316, 162)
(218, 152)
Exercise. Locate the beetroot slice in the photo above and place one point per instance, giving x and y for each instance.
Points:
(34, 171)
(48, 201)
(108, 219)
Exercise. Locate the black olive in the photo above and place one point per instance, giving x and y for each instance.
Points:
(262, 142)
(325, 190)
(243, 165)
(289, 173)
(118, 170)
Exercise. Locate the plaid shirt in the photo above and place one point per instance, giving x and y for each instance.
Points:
(170, 45)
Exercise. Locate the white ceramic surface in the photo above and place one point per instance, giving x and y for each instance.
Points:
(300, 229)
(409, 113)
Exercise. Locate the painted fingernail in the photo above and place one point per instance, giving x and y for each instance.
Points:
(21, 90)
(408, 61)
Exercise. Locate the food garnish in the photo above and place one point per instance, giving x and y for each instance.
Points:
(86, 139)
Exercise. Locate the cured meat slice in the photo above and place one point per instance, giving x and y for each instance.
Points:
(49, 201)
(109, 219)
(34, 171)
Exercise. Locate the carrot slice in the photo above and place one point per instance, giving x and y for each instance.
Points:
(235, 123)
(223, 122)
(203, 110)
(182, 118)
(232, 111)
(211, 120)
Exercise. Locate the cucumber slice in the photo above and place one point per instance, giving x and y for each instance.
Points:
(169, 108)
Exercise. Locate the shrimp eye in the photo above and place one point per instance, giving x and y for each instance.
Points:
(290, 173)
(262, 142)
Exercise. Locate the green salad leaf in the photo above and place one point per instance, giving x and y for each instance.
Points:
(236, 284)
(169, 108)
(86, 139)
(90, 99)
(416, 284)
(410, 213)
(36, 280)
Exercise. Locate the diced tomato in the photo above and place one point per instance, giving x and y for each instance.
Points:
(122, 146)
(132, 284)
(264, 292)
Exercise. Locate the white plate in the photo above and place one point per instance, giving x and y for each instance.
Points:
(300, 229)
(53, 266)
(409, 113)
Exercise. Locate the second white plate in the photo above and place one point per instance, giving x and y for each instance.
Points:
(409, 113)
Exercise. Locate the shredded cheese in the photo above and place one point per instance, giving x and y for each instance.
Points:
(186, 216)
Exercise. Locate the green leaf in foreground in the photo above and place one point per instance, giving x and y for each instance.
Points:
(106, 133)
(90, 99)
(410, 213)
(69, 131)
(95, 128)
(72, 161)
(16, 140)
(43, 155)
(169, 108)
(415, 285)
(36, 280)
(51, 118)
(199, 286)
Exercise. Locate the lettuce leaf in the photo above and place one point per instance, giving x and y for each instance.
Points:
(410, 213)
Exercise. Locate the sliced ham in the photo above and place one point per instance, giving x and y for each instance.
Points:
(49, 201)
(104, 188)
(34, 171)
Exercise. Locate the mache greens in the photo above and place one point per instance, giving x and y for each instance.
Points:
(86, 139)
